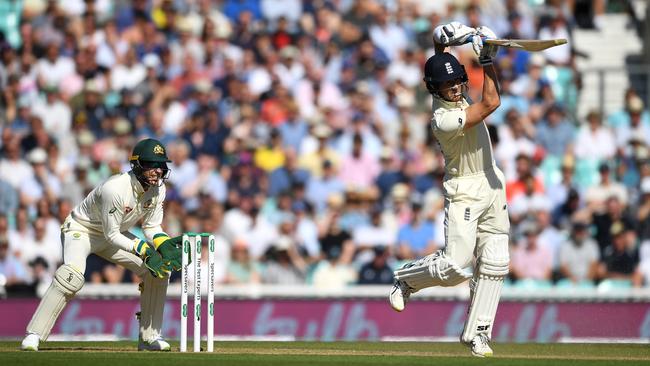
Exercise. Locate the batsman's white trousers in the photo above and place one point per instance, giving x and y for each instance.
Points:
(475, 208)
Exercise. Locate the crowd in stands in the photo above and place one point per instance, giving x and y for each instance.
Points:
(299, 134)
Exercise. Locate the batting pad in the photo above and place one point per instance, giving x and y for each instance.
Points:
(153, 293)
(433, 270)
(67, 282)
(485, 290)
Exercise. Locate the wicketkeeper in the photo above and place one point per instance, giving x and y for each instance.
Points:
(476, 218)
(99, 225)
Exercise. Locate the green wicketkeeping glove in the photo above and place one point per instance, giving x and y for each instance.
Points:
(171, 250)
(151, 258)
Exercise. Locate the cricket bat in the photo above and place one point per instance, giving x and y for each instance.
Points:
(532, 45)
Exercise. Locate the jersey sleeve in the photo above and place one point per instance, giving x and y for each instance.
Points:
(152, 219)
(112, 213)
(449, 121)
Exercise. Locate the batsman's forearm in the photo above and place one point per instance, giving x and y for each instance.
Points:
(491, 91)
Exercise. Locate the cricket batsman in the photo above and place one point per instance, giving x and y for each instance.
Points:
(99, 225)
(476, 218)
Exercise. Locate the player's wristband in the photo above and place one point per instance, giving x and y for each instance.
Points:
(159, 238)
(140, 246)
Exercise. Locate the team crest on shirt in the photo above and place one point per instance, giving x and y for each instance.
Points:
(127, 209)
(76, 236)
(158, 150)
(148, 203)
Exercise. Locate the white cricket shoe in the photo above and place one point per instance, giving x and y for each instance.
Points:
(158, 344)
(480, 346)
(30, 343)
(399, 295)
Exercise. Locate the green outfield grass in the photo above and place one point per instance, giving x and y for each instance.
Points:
(318, 353)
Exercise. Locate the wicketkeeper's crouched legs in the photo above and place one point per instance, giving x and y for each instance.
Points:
(485, 288)
(153, 293)
(67, 282)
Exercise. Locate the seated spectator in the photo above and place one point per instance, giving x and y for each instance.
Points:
(242, 269)
(579, 255)
(594, 141)
(320, 188)
(271, 156)
(525, 180)
(42, 246)
(614, 212)
(620, 258)
(358, 170)
(286, 175)
(313, 160)
(634, 128)
(416, 239)
(377, 271)
(332, 272)
(284, 266)
(528, 259)
(15, 275)
(331, 235)
(8, 198)
(42, 275)
(555, 133)
(597, 196)
(371, 235)
(633, 104)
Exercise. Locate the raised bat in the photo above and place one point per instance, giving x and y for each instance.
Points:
(532, 45)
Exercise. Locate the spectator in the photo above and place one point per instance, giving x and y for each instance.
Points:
(13, 169)
(529, 259)
(525, 183)
(597, 195)
(555, 134)
(332, 273)
(286, 175)
(579, 256)
(313, 161)
(371, 235)
(634, 126)
(242, 269)
(8, 198)
(416, 239)
(377, 271)
(16, 276)
(359, 170)
(620, 258)
(284, 265)
(595, 141)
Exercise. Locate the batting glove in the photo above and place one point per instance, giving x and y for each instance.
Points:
(453, 34)
(487, 52)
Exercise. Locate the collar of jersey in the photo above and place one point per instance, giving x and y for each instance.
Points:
(137, 186)
(439, 102)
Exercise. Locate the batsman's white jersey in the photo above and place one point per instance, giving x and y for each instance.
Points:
(474, 187)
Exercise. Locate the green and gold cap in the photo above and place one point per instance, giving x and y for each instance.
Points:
(149, 150)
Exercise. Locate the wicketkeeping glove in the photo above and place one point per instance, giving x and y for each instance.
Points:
(151, 258)
(171, 250)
